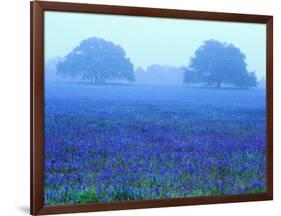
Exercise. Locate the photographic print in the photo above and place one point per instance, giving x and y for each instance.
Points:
(140, 108)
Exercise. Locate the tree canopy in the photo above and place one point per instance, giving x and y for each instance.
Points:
(215, 63)
(97, 60)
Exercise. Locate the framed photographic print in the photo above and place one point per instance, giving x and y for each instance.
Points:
(142, 107)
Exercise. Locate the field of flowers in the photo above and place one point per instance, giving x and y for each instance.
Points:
(123, 142)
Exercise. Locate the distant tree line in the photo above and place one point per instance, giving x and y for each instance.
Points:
(159, 75)
(214, 63)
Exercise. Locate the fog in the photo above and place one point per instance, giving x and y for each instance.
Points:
(159, 48)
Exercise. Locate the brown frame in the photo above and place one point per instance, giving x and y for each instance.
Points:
(37, 9)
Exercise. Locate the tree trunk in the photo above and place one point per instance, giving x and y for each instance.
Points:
(91, 80)
(218, 84)
(96, 79)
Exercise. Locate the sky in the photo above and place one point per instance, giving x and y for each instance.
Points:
(147, 40)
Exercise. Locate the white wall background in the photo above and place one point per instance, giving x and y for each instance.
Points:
(14, 106)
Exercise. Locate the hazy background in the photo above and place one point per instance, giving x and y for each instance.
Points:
(150, 42)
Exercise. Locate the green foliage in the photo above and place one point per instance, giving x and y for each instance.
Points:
(89, 196)
(122, 195)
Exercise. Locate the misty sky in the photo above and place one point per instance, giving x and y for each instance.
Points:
(153, 40)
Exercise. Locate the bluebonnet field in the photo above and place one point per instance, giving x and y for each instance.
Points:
(107, 143)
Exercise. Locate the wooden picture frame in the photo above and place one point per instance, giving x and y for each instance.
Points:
(37, 105)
